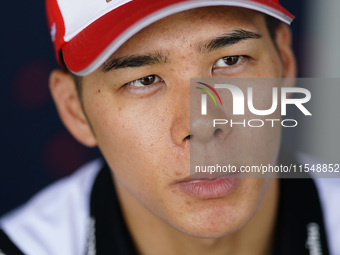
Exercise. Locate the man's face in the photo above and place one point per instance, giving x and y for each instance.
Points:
(139, 111)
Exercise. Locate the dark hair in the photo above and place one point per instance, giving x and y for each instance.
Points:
(77, 79)
(271, 24)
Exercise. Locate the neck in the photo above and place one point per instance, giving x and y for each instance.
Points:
(152, 235)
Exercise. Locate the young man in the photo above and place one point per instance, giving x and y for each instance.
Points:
(128, 94)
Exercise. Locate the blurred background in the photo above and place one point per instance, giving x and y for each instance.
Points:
(35, 148)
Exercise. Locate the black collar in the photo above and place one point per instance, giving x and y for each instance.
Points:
(300, 228)
(108, 233)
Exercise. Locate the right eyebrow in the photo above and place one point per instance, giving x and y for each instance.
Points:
(153, 58)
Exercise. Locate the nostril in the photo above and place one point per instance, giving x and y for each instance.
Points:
(217, 131)
(188, 137)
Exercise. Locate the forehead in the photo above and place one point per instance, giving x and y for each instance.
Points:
(193, 25)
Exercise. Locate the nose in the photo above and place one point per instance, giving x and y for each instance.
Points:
(189, 124)
(203, 129)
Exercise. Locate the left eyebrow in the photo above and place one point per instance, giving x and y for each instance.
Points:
(228, 40)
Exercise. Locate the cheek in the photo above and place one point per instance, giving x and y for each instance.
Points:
(134, 140)
(265, 140)
(127, 135)
(254, 139)
(261, 145)
(254, 146)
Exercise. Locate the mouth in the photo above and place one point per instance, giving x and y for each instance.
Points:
(209, 188)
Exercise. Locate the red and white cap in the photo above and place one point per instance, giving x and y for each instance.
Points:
(87, 32)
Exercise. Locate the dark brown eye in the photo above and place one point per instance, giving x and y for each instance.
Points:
(231, 60)
(148, 80)
(145, 81)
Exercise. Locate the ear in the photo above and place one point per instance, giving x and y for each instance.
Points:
(284, 45)
(68, 104)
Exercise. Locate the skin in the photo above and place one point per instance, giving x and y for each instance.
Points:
(149, 155)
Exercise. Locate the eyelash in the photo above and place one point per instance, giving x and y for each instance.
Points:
(239, 59)
(155, 78)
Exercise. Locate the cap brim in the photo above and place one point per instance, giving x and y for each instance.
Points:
(88, 50)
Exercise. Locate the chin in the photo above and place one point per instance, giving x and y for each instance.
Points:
(211, 230)
(214, 222)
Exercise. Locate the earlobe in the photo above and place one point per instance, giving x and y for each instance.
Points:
(65, 96)
(284, 45)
